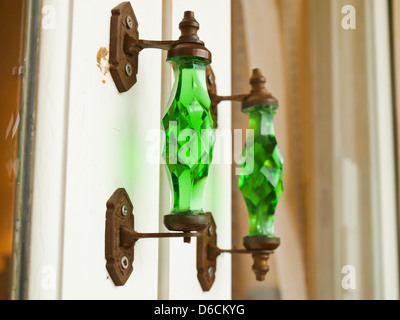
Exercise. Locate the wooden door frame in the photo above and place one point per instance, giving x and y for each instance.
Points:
(23, 197)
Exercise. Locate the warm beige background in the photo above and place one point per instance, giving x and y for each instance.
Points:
(272, 35)
(324, 77)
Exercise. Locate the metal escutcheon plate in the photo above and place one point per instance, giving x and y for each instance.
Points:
(119, 260)
(206, 263)
(123, 66)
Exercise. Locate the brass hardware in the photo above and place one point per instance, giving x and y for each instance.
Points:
(260, 266)
(118, 58)
(259, 94)
(121, 237)
(206, 263)
(208, 252)
(259, 247)
(125, 44)
(186, 222)
(261, 243)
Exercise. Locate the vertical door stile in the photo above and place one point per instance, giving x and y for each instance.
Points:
(165, 194)
(50, 151)
(214, 18)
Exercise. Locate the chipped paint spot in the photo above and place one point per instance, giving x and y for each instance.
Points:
(102, 61)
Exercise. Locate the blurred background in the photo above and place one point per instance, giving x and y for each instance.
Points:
(334, 67)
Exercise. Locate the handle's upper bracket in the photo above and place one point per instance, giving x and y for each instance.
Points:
(123, 67)
(125, 44)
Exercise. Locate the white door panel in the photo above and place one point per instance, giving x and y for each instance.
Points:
(92, 140)
(106, 150)
(50, 151)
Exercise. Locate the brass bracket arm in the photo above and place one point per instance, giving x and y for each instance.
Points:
(216, 99)
(214, 251)
(125, 44)
(121, 237)
(260, 257)
(129, 237)
(258, 95)
(208, 252)
(133, 46)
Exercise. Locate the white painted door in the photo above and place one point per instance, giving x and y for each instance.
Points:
(91, 140)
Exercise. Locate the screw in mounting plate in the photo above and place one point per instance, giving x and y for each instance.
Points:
(210, 272)
(210, 79)
(128, 69)
(124, 210)
(129, 22)
(210, 230)
(124, 263)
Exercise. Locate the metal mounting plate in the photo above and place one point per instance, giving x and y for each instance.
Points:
(123, 66)
(119, 259)
(207, 263)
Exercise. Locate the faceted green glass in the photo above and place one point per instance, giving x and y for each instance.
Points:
(189, 132)
(260, 181)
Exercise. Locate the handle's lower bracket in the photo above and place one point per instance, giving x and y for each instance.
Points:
(208, 252)
(119, 259)
(207, 263)
(121, 237)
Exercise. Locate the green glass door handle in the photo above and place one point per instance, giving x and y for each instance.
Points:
(261, 172)
(188, 123)
(260, 181)
(189, 131)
